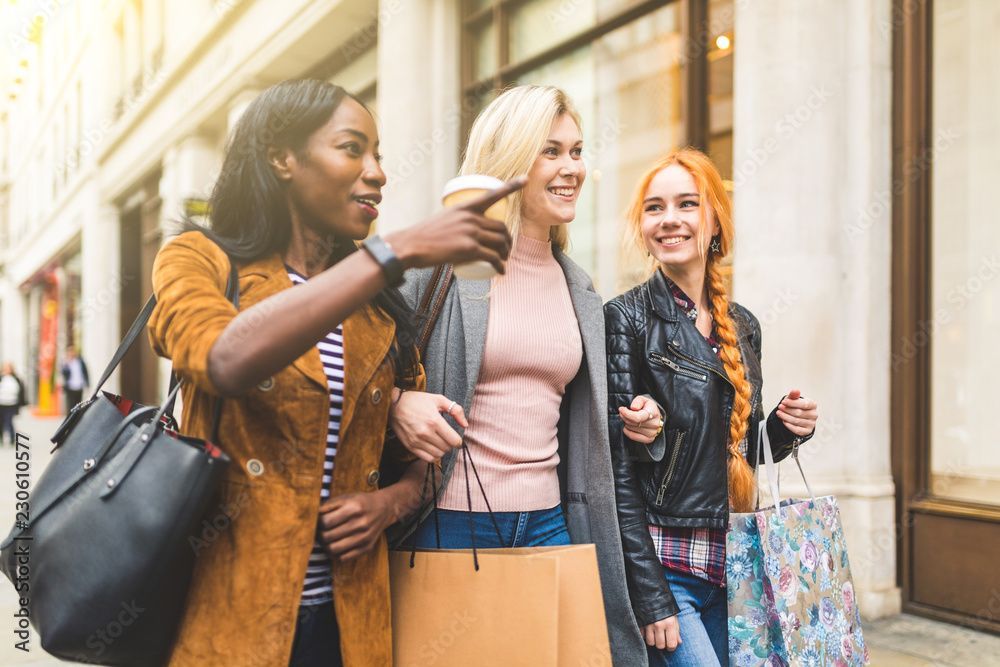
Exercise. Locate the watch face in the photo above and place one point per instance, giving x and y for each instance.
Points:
(386, 258)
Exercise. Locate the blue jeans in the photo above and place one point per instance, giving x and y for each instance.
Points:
(540, 528)
(704, 619)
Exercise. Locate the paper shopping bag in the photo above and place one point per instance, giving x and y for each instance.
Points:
(528, 606)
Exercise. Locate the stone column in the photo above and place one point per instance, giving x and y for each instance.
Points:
(189, 171)
(812, 173)
(101, 286)
(419, 106)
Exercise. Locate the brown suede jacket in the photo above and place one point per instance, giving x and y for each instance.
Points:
(252, 554)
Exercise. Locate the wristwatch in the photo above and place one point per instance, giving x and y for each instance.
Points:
(386, 257)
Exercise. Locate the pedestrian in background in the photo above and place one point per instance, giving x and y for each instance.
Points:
(11, 401)
(75, 377)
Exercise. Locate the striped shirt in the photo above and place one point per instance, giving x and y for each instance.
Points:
(318, 587)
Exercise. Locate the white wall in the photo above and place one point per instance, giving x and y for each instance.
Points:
(812, 170)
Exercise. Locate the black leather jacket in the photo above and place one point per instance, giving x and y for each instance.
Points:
(653, 348)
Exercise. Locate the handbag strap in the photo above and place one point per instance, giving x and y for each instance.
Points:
(130, 336)
(430, 306)
(142, 319)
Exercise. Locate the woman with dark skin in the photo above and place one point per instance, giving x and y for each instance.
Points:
(299, 188)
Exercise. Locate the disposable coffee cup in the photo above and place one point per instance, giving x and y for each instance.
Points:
(462, 189)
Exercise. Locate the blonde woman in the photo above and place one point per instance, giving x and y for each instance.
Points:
(523, 356)
(680, 338)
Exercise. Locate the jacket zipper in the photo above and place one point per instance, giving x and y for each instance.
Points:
(729, 412)
(670, 468)
(706, 367)
(680, 370)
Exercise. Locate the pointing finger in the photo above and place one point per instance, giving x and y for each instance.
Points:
(484, 201)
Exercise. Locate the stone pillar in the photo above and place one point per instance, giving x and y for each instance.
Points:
(101, 286)
(189, 171)
(13, 327)
(812, 173)
(419, 106)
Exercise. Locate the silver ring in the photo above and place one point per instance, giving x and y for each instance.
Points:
(450, 407)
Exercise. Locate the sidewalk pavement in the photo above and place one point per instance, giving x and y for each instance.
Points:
(897, 641)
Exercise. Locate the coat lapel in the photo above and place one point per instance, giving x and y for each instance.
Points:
(265, 278)
(368, 335)
(474, 300)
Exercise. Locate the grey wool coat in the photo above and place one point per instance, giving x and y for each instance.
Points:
(452, 361)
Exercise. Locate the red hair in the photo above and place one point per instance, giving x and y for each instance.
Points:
(712, 190)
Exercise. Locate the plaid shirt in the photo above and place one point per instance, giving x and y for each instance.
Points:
(697, 551)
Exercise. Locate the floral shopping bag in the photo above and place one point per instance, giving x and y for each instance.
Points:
(791, 597)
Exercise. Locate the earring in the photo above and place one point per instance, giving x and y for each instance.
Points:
(716, 246)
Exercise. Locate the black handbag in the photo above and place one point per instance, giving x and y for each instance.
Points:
(102, 557)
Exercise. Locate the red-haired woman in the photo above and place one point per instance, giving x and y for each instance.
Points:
(679, 338)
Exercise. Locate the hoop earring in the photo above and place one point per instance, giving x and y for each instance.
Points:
(716, 246)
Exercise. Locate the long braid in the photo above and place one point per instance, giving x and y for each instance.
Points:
(741, 482)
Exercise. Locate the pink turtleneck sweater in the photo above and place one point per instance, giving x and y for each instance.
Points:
(533, 350)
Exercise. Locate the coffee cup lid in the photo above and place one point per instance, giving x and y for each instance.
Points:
(471, 182)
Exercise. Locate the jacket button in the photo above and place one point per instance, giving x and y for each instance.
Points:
(373, 478)
(255, 467)
(376, 395)
(675, 343)
(266, 385)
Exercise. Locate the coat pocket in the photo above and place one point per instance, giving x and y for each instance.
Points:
(684, 371)
(675, 445)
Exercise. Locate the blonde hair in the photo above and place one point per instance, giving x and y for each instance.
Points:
(509, 134)
(712, 190)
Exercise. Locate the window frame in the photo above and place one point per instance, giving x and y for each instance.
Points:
(695, 69)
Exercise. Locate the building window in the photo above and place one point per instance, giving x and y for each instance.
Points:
(646, 77)
(965, 290)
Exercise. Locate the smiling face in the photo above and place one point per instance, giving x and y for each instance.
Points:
(335, 182)
(672, 214)
(556, 177)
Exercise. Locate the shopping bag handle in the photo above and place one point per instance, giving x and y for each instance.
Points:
(771, 470)
(431, 476)
(765, 454)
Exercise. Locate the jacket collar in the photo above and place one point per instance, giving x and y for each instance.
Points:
(660, 297)
(682, 335)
